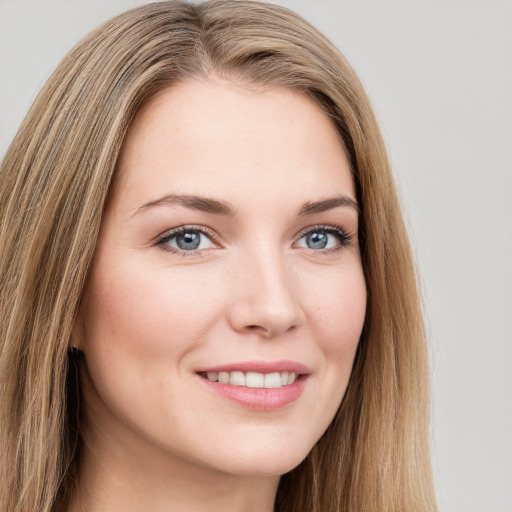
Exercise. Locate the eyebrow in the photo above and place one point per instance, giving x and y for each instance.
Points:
(310, 208)
(203, 204)
(225, 208)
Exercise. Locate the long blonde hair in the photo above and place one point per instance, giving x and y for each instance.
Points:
(54, 182)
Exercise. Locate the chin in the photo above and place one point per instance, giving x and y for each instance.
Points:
(263, 463)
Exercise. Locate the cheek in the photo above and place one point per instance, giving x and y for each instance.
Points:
(338, 319)
(140, 324)
(146, 312)
(338, 312)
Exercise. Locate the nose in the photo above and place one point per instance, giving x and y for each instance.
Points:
(266, 299)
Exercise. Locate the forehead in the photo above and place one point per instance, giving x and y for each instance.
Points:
(219, 138)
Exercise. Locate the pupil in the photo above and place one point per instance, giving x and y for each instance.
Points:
(189, 240)
(316, 240)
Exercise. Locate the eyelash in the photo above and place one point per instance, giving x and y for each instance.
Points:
(344, 238)
(161, 242)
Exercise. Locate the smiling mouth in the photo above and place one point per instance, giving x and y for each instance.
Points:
(257, 385)
(252, 379)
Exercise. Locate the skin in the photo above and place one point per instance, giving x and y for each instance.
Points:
(154, 434)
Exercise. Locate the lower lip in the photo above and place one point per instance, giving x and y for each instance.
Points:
(263, 399)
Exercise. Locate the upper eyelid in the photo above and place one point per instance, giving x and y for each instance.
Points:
(172, 233)
(186, 227)
(325, 227)
(319, 227)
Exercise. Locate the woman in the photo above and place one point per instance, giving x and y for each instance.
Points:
(208, 297)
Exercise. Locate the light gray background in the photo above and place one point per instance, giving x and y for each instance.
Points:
(440, 76)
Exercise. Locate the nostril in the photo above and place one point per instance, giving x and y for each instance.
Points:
(258, 328)
(268, 331)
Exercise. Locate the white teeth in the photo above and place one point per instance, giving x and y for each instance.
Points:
(213, 376)
(237, 378)
(273, 380)
(224, 377)
(253, 379)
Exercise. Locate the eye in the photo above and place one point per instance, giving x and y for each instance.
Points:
(324, 238)
(187, 239)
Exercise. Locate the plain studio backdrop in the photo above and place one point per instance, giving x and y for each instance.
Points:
(440, 76)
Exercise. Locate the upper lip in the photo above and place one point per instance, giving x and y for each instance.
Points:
(259, 367)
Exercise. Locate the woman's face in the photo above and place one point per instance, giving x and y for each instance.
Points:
(228, 254)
